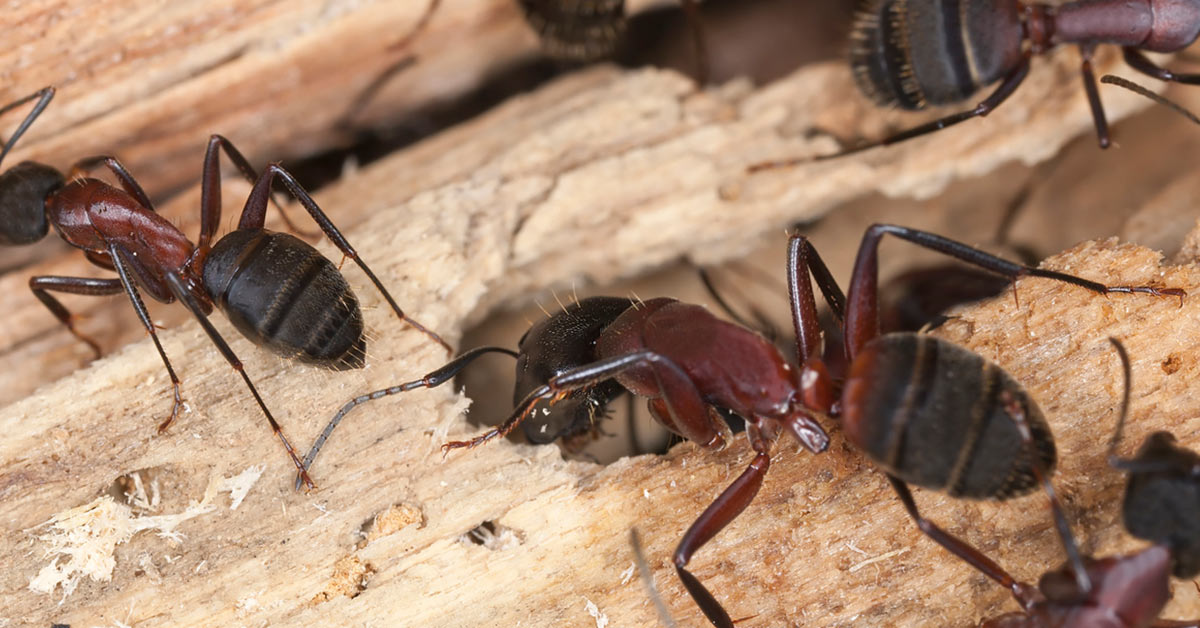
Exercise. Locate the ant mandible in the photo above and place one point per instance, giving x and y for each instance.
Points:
(917, 53)
(276, 289)
(694, 367)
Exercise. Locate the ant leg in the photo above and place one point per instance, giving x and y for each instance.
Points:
(1024, 594)
(687, 410)
(1017, 413)
(691, 10)
(803, 260)
(1093, 95)
(72, 285)
(43, 96)
(862, 312)
(728, 505)
(254, 214)
(1140, 62)
(210, 191)
(181, 292)
(130, 184)
(1110, 79)
(140, 307)
(345, 122)
(1007, 86)
(433, 379)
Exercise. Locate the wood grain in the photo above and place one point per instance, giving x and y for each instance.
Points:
(824, 544)
(600, 175)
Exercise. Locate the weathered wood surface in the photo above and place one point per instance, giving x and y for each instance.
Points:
(824, 544)
(597, 176)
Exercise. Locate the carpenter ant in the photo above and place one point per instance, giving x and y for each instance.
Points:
(1126, 591)
(1162, 493)
(276, 289)
(917, 53)
(689, 364)
(583, 32)
(557, 344)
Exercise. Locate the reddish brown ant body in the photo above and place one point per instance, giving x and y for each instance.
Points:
(276, 289)
(693, 368)
(916, 53)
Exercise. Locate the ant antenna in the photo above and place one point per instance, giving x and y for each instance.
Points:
(43, 97)
(639, 558)
(1113, 458)
(1110, 79)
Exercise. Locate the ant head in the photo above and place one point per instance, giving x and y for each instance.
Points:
(564, 341)
(23, 191)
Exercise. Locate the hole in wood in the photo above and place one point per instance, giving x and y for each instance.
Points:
(493, 536)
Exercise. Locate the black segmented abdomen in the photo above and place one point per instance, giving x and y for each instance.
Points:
(913, 53)
(284, 295)
(931, 413)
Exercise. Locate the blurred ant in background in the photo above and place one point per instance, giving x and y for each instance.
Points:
(916, 53)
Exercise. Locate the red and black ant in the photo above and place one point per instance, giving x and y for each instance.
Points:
(1128, 591)
(557, 344)
(917, 53)
(562, 341)
(695, 368)
(276, 289)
